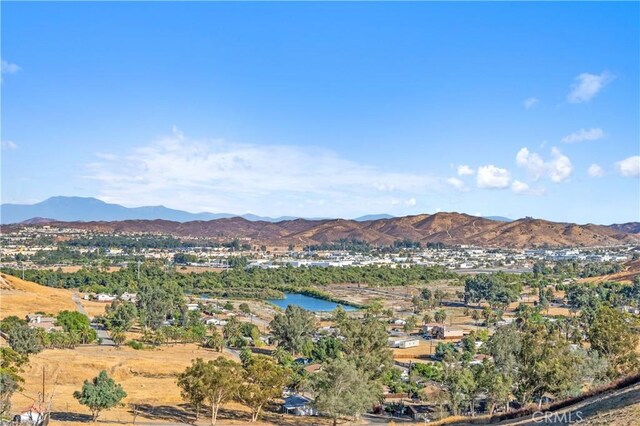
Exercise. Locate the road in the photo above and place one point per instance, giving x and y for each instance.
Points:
(100, 331)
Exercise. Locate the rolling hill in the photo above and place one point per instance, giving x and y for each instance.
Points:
(445, 228)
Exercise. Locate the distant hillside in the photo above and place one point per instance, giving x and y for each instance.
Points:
(499, 218)
(373, 217)
(87, 209)
(446, 228)
(629, 227)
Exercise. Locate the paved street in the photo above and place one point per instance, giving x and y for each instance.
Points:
(100, 331)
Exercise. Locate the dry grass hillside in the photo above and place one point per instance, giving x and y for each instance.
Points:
(631, 270)
(18, 297)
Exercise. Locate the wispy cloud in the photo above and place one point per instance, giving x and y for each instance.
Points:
(492, 177)
(8, 67)
(523, 188)
(9, 145)
(456, 183)
(558, 168)
(586, 86)
(216, 175)
(629, 167)
(595, 170)
(530, 102)
(464, 170)
(584, 135)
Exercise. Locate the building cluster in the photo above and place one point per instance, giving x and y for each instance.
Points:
(18, 248)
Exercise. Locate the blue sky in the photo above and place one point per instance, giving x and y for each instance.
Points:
(326, 109)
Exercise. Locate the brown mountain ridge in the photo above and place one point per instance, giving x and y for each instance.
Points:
(446, 228)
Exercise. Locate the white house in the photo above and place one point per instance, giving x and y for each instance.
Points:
(408, 343)
(102, 297)
(128, 297)
(214, 321)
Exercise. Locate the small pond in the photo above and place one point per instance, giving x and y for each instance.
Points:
(309, 303)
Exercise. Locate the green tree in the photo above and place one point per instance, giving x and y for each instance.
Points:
(365, 342)
(440, 316)
(120, 315)
(24, 340)
(460, 387)
(244, 307)
(11, 363)
(339, 314)
(220, 383)
(410, 324)
(263, 381)
(375, 307)
(72, 321)
(292, 330)
(341, 390)
(157, 302)
(102, 393)
(612, 334)
(192, 385)
(245, 357)
(215, 341)
(326, 348)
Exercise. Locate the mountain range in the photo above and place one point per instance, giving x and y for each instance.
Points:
(87, 209)
(446, 228)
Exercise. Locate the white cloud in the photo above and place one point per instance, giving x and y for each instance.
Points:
(530, 102)
(629, 166)
(9, 145)
(105, 156)
(8, 67)
(214, 175)
(584, 135)
(519, 187)
(532, 162)
(464, 170)
(558, 168)
(494, 177)
(595, 170)
(586, 86)
(456, 183)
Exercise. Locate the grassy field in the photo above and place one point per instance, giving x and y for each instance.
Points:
(148, 377)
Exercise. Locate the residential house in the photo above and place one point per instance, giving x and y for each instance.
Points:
(404, 343)
(447, 333)
(102, 297)
(298, 405)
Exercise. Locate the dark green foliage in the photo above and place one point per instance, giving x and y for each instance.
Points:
(496, 289)
(120, 315)
(24, 340)
(236, 282)
(102, 393)
(292, 330)
(326, 348)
